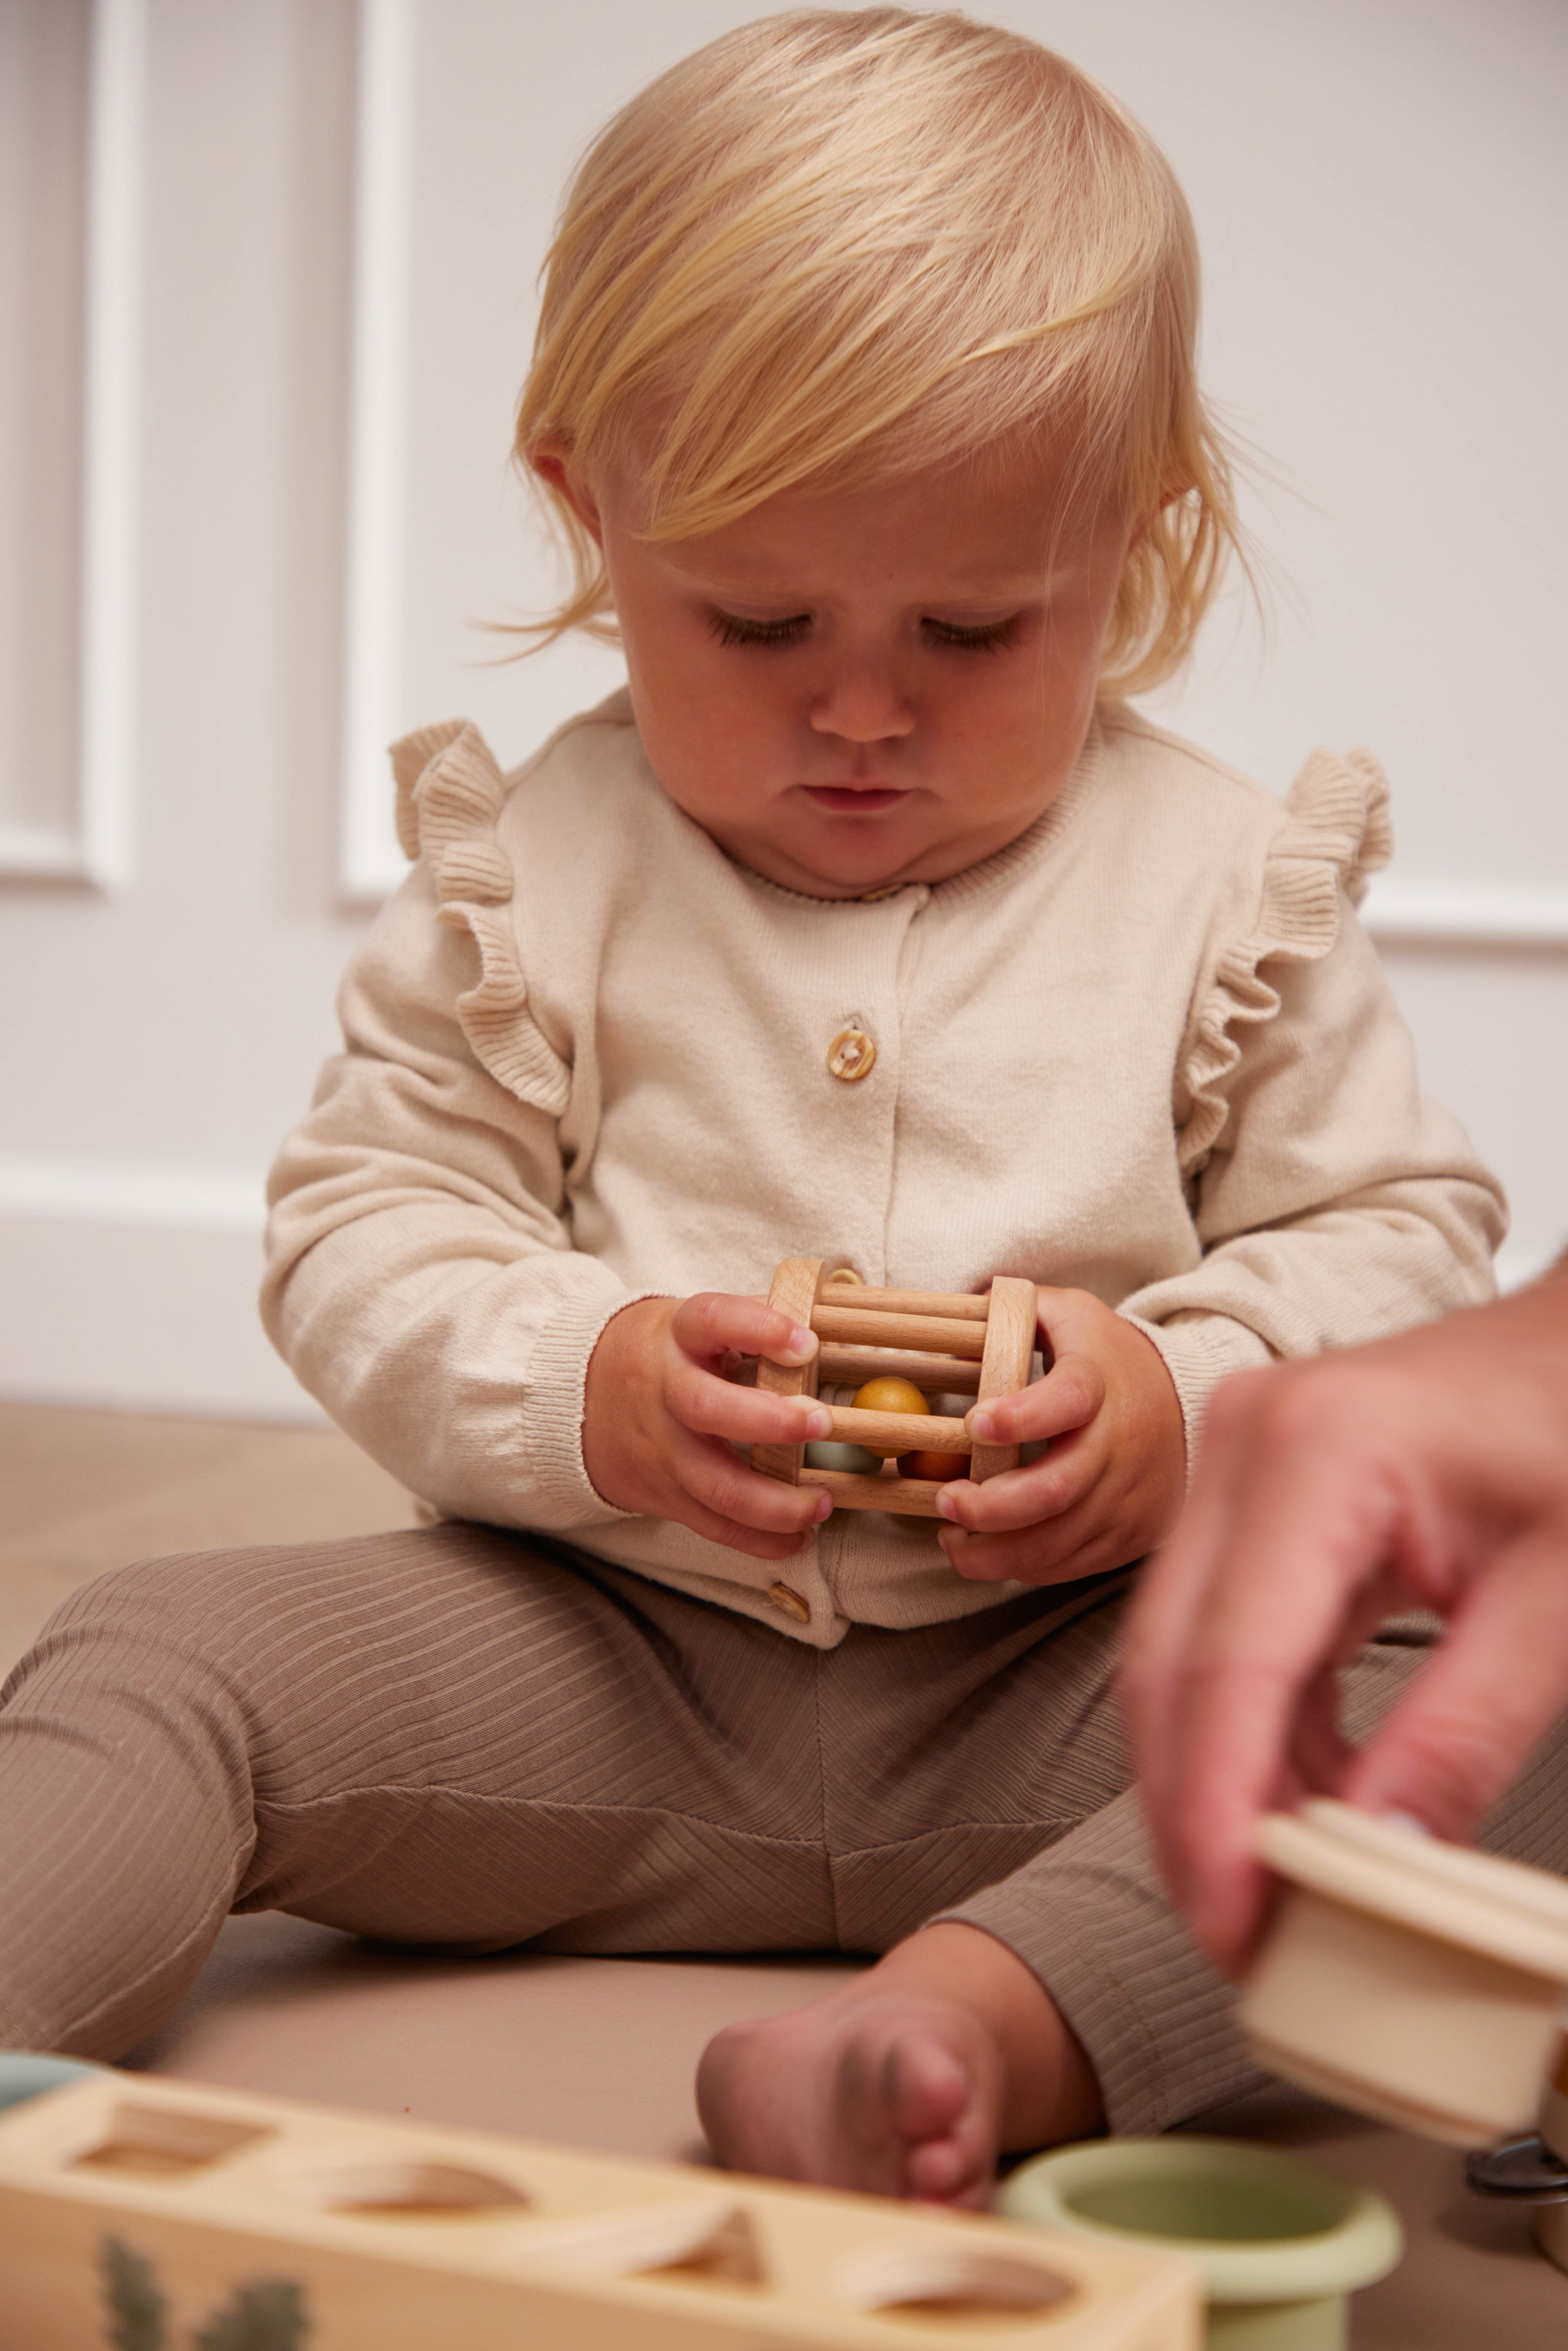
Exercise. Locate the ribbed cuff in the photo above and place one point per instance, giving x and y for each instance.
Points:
(1088, 1917)
(561, 1495)
(1199, 1352)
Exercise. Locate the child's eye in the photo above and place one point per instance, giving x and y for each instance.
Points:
(731, 629)
(994, 638)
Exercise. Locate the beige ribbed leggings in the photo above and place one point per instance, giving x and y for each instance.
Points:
(469, 1738)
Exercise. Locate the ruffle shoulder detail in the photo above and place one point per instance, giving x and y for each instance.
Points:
(1336, 834)
(450, 793)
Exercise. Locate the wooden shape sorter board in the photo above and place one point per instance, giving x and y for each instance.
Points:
(943, 1342)
(169, 2216)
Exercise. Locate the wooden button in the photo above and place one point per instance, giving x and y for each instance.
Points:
(851, 1056)
(790, 1603)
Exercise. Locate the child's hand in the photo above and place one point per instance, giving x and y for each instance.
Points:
(1111, 1487)
(658, 1411)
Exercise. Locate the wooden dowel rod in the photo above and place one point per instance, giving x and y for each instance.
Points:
(900, 1432)
(906, 1497)
(795, 1285)
(1005, 1368)
(871, 1329)
(937, 1374)
(952, 1306)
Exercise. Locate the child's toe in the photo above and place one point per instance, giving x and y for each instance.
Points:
(926, 2086)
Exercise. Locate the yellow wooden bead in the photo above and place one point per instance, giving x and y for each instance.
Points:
(888, 1395)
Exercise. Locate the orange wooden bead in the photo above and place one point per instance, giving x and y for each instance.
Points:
(940, 1465)
(889, 1394)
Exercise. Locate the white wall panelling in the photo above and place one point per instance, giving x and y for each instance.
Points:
(372, 863)
(312, 229)
(95, 845)
(1466, 913)
(109, 1276)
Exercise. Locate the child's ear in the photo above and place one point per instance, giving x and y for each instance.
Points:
(1147, 519)
(553, 461)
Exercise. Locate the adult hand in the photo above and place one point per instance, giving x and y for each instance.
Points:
(1111, 1485)
(1427, 1470)
(660, 1420)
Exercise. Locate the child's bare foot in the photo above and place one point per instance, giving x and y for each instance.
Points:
(898, 2095)
(907, 2083)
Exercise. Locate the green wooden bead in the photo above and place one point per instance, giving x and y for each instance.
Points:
(822, 1453)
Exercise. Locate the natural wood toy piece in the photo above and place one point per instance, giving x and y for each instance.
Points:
(164, 2214)
(941, 1342)
(1417, 1981)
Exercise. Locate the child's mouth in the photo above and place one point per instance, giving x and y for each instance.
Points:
(858, 799)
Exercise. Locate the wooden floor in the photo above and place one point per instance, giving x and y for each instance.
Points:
(594, 2051)
(82, 1491)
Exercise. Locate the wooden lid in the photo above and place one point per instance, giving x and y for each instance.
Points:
(1394, 1871)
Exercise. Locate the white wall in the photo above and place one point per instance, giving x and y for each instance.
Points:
(1379, 185)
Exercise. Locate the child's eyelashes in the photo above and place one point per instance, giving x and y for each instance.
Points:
(993, 637)
(731, 629)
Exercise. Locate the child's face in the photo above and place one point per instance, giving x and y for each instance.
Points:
(887, 685)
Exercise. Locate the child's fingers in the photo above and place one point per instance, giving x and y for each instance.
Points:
(712, 1407)
(1068, 1397)
(714, 1321)
(727, 1492)
(755, 1542)
(1060, 1552)
(1039, 1491)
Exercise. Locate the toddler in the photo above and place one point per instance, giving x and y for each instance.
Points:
(871, 923)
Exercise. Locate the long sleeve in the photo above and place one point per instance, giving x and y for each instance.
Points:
(421, 1277)
(1333, 1201)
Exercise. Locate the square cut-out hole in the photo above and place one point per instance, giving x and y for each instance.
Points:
(163, 2143)
(713, 2246)
(408, 2188)
(935, 2288)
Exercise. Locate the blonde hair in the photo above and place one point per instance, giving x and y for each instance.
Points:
(836, 248)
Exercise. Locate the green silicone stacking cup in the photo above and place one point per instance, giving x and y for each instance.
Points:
(1279, 2243)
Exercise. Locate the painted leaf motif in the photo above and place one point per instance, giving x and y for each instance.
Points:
(133, 2302)
(269, 2314)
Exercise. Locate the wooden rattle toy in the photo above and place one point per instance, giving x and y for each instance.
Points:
(165, 2215)
(904, 1344)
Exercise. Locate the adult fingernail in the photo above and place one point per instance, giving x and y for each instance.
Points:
(818, 1422)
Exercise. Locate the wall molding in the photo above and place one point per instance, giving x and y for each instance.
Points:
(370, 864)
(96, 847)
(1467, 914)
(134, 1286)
(137, 1192)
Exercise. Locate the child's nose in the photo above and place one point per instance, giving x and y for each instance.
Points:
(865, 704)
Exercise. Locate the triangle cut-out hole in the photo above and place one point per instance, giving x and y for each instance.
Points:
(729, 2254)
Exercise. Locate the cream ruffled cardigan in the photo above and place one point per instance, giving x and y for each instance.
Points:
(1146, 1051)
